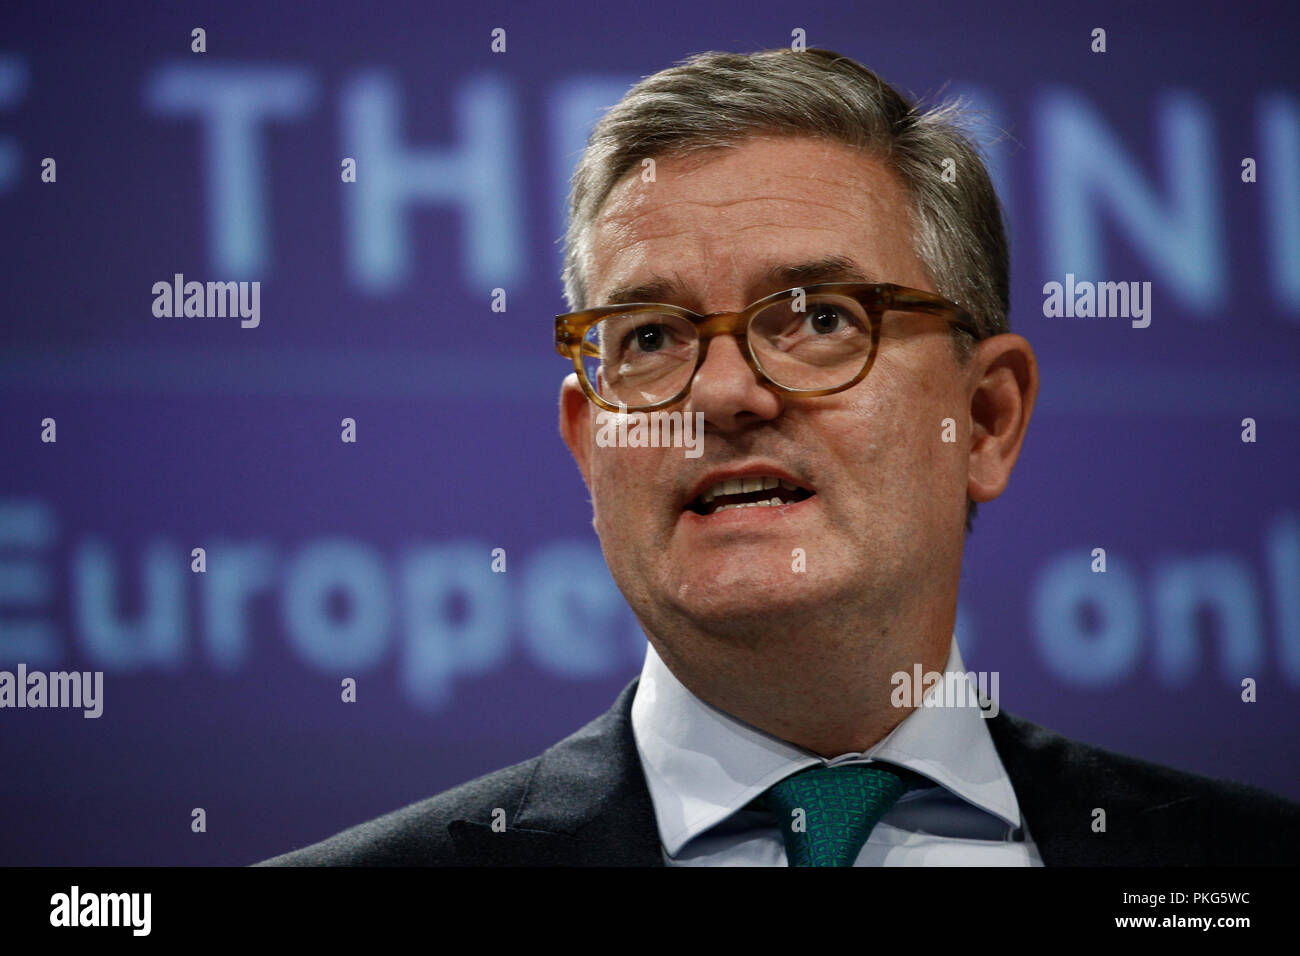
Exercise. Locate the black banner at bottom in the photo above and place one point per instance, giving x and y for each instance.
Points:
(125, 905)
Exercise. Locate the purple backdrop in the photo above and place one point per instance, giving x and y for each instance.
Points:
(327, 559)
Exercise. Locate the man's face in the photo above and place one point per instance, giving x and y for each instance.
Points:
(888, 503)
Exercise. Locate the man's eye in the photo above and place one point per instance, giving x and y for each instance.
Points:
(825, 319)
(649, 338)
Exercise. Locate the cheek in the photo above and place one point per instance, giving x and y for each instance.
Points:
(879, 432)
(894, 449)
(625, 485)
(608, 492)
(938, 435)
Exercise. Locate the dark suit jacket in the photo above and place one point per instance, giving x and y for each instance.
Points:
(584, 802)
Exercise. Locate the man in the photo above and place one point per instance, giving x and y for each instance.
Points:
(750, 236)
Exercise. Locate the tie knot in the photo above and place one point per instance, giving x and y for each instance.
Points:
(827, 813)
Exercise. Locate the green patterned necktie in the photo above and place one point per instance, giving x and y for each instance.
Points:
(827, 813)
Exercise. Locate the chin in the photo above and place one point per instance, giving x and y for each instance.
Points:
(736, 592)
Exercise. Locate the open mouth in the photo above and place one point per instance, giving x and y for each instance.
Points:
(760, 491)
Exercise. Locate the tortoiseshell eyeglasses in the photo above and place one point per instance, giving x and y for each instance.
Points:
(810, 341)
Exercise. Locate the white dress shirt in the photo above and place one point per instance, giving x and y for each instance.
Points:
(703, 766)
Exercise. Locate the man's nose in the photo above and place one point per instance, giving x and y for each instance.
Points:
(730, 393)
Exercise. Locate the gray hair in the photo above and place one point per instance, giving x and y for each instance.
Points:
(719, 100)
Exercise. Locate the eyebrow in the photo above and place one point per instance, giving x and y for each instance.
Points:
(660, 288)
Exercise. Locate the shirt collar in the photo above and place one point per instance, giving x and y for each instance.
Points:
(702, 765)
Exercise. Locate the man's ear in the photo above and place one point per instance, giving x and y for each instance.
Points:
(575, 424)
(1005, 386)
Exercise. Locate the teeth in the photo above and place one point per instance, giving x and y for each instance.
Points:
(770, 503)
(740, 486)
(751, 504)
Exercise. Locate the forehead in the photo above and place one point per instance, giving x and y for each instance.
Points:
(712, 229)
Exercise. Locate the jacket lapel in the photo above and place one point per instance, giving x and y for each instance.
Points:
(1059, 785)
(586, 804)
